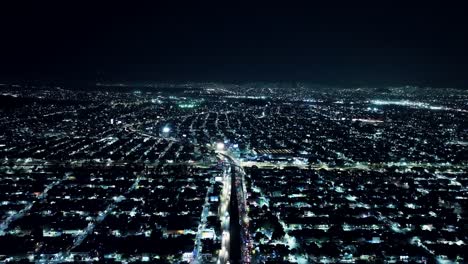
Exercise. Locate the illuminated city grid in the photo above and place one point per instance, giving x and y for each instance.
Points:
(238, 173)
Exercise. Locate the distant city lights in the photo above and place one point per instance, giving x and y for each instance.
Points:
(416, 105)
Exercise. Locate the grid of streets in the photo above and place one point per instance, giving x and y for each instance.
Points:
(121, 173)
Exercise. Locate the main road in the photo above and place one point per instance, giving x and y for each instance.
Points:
(240, 243)
(235, 227)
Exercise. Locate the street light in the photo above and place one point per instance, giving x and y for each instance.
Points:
(220, 146)
(166, 129)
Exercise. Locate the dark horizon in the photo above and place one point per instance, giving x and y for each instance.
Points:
(354, 45)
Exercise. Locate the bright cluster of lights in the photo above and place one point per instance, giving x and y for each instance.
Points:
(188, 105)
(220, 146)
(416, 105)
(400, 102)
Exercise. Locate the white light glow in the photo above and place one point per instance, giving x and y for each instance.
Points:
(220, 146)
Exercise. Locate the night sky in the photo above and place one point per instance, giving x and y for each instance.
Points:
(338, 44)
